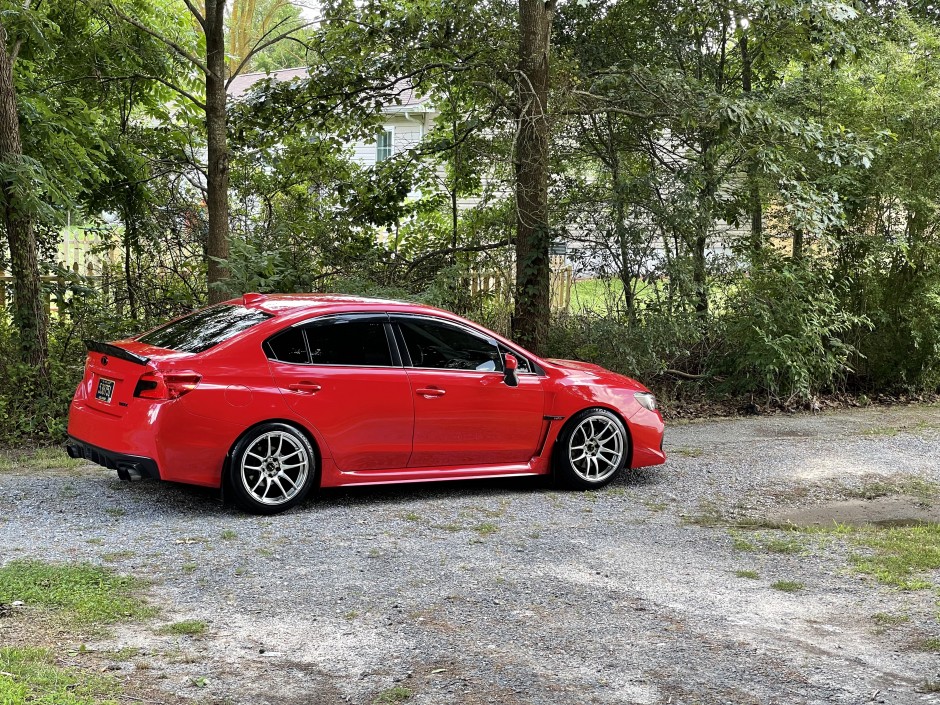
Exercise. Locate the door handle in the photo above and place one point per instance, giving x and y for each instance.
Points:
(430, 392)
(308, 387)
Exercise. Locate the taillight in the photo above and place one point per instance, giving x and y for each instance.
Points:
(180, 383)
(166, 385)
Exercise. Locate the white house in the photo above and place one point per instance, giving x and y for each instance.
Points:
(403, 126)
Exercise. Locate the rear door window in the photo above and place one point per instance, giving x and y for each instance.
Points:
(351, 340)
(204, 329)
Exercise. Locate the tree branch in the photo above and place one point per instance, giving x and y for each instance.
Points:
(177, 49)
(261, 45)
(198, 15)
(451, 250)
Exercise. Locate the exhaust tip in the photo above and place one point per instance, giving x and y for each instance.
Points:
(129, 472)
(73, 452)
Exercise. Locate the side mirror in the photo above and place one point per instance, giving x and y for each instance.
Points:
(510, 365)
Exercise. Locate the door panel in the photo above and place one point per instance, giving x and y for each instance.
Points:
(365, 412)
(465, 414)
(473, 418)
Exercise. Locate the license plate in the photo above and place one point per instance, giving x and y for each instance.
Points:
(105, 390)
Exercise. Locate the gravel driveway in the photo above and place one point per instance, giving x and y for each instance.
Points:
(512, 592)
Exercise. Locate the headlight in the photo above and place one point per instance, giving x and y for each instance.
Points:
(646, 400)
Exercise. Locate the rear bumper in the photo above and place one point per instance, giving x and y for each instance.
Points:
(129, 467)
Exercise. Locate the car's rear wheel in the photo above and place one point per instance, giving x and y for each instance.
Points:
(591, 449)
(272, 468)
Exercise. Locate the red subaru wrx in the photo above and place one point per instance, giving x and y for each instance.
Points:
(272, 396)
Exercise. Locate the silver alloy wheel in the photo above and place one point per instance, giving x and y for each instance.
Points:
(274, 468)
(596, 449)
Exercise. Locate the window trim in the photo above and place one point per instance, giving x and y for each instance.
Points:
(389, 130)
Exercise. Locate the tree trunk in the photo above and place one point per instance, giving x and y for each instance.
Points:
(29, 313)
(217, 139)
(703, 228)
(533, 276)
(753, 186)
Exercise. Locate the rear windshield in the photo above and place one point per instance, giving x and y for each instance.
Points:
(204, 329)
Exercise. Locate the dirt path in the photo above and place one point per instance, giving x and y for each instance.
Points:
(509, 592)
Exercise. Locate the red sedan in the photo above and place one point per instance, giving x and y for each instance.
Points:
(272, 396)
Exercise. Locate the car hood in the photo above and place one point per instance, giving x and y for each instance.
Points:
(589, 370)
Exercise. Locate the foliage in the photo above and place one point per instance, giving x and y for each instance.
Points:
(785, 333)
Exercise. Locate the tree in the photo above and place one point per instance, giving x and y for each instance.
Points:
(530, 320)
(211, 23)
(29, 314)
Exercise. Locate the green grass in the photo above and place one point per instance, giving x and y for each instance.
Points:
(80, 593)
(899, 556)
(749, 574)
(228, 534)
(787, 585)
(395, 694)
(188, 627)
(116, 556)
(411, 516)
(486, 528)
(688, 452)
(926, 491)
(49, 458)
(883, 619)
(932, 644)
(31, 677)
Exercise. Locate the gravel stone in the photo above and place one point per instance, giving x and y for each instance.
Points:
(618, 596)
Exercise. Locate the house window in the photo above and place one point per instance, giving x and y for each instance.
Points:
(384, 145)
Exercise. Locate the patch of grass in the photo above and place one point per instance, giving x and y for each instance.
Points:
(486, 528)
(95, 541)
(883, 619)
(80, 593)
(782, 545)
(688, 452)
(926, 491)
(932, 644)
(189, 567)
(395, 694)
(30, 677)
(115, 512)
(266, 552)
(351, 615)
(882, 431)
(749, 574)
(125, 654)
(929, 686)
(187, 627)
(899, 556)
(411, 516)
(654, 506)
(229, 534)
(116, 556)
(452, 526)
(740, 543)
(787, 585)
(48, 458)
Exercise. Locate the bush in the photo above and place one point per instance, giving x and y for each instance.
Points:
(784, 333)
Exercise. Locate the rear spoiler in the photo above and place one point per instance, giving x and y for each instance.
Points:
(115, 351)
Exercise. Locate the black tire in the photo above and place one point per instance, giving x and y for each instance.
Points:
(605, 442)
(260, 478)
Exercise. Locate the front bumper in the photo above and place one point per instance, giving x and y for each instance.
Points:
(129, 467)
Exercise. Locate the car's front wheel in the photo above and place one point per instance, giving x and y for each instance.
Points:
(272, 468)
(592, 447)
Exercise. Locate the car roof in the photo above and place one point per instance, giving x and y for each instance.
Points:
(281, 304)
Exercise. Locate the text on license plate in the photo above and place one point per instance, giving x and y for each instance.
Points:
(105, 390)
